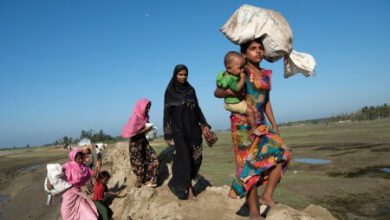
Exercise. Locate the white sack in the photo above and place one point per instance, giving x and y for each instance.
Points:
(57, 179)
(249, 23)
(151, 135)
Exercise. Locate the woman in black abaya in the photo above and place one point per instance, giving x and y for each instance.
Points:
(184, 124)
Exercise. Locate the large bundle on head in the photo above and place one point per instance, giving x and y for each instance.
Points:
(249, 23)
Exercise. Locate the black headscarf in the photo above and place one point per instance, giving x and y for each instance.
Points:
(179, 93)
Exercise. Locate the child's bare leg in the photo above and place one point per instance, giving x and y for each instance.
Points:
(251, 120)
(274, 178)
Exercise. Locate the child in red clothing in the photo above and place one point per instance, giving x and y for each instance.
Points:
(99, 189)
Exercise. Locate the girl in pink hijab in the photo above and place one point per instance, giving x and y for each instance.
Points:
(75, 204)
(143, 159)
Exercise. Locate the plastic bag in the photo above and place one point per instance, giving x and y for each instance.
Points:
(151, 135)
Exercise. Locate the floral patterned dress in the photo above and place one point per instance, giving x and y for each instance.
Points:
(143, 159)
(255, 155)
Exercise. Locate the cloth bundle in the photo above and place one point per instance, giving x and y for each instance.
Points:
(249, 23)
(57, 179)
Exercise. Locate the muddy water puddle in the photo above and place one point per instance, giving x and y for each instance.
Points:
(4, 198)
(385, 170)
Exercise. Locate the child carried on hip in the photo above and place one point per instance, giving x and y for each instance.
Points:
(233, 78)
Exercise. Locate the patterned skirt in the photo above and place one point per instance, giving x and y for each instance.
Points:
(143, 159)
(255, 156)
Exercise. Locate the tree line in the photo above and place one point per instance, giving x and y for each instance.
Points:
(91, 134)
(365, 113)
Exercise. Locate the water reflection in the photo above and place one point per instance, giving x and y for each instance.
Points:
(312, 161)
(3, 198)
(385, 170)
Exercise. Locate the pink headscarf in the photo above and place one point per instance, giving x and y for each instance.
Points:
(76, 174)
(137, 119)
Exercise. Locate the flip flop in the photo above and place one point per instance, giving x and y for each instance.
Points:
(264, 209)
(243, 211)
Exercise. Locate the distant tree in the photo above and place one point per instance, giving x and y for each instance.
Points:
(83, 134)
(66, 140)
(27, 146)
(95, 137)
(365, 113)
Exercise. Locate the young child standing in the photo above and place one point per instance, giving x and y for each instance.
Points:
(143, 159)
(89, 161)
(233, 78)
(99, 189)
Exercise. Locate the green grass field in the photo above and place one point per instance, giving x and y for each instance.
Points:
(305, 141)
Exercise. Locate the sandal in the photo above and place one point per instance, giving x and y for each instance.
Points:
(243, 211)
(264, 209)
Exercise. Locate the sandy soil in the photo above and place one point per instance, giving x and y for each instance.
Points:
(159, 203)
(21, 187)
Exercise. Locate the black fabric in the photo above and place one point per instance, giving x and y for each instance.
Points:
(178, 93)
(182, 120)
(186, 161)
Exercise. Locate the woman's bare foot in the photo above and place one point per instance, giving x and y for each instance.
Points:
(255, 217)
(267, 201)
(151, 184)
(191, 195)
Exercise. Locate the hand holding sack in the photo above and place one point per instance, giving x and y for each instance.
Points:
(209, 136)
(152, 131)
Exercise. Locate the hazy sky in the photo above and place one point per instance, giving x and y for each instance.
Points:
(72, 65)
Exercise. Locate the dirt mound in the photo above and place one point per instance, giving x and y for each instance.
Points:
(160, 203)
